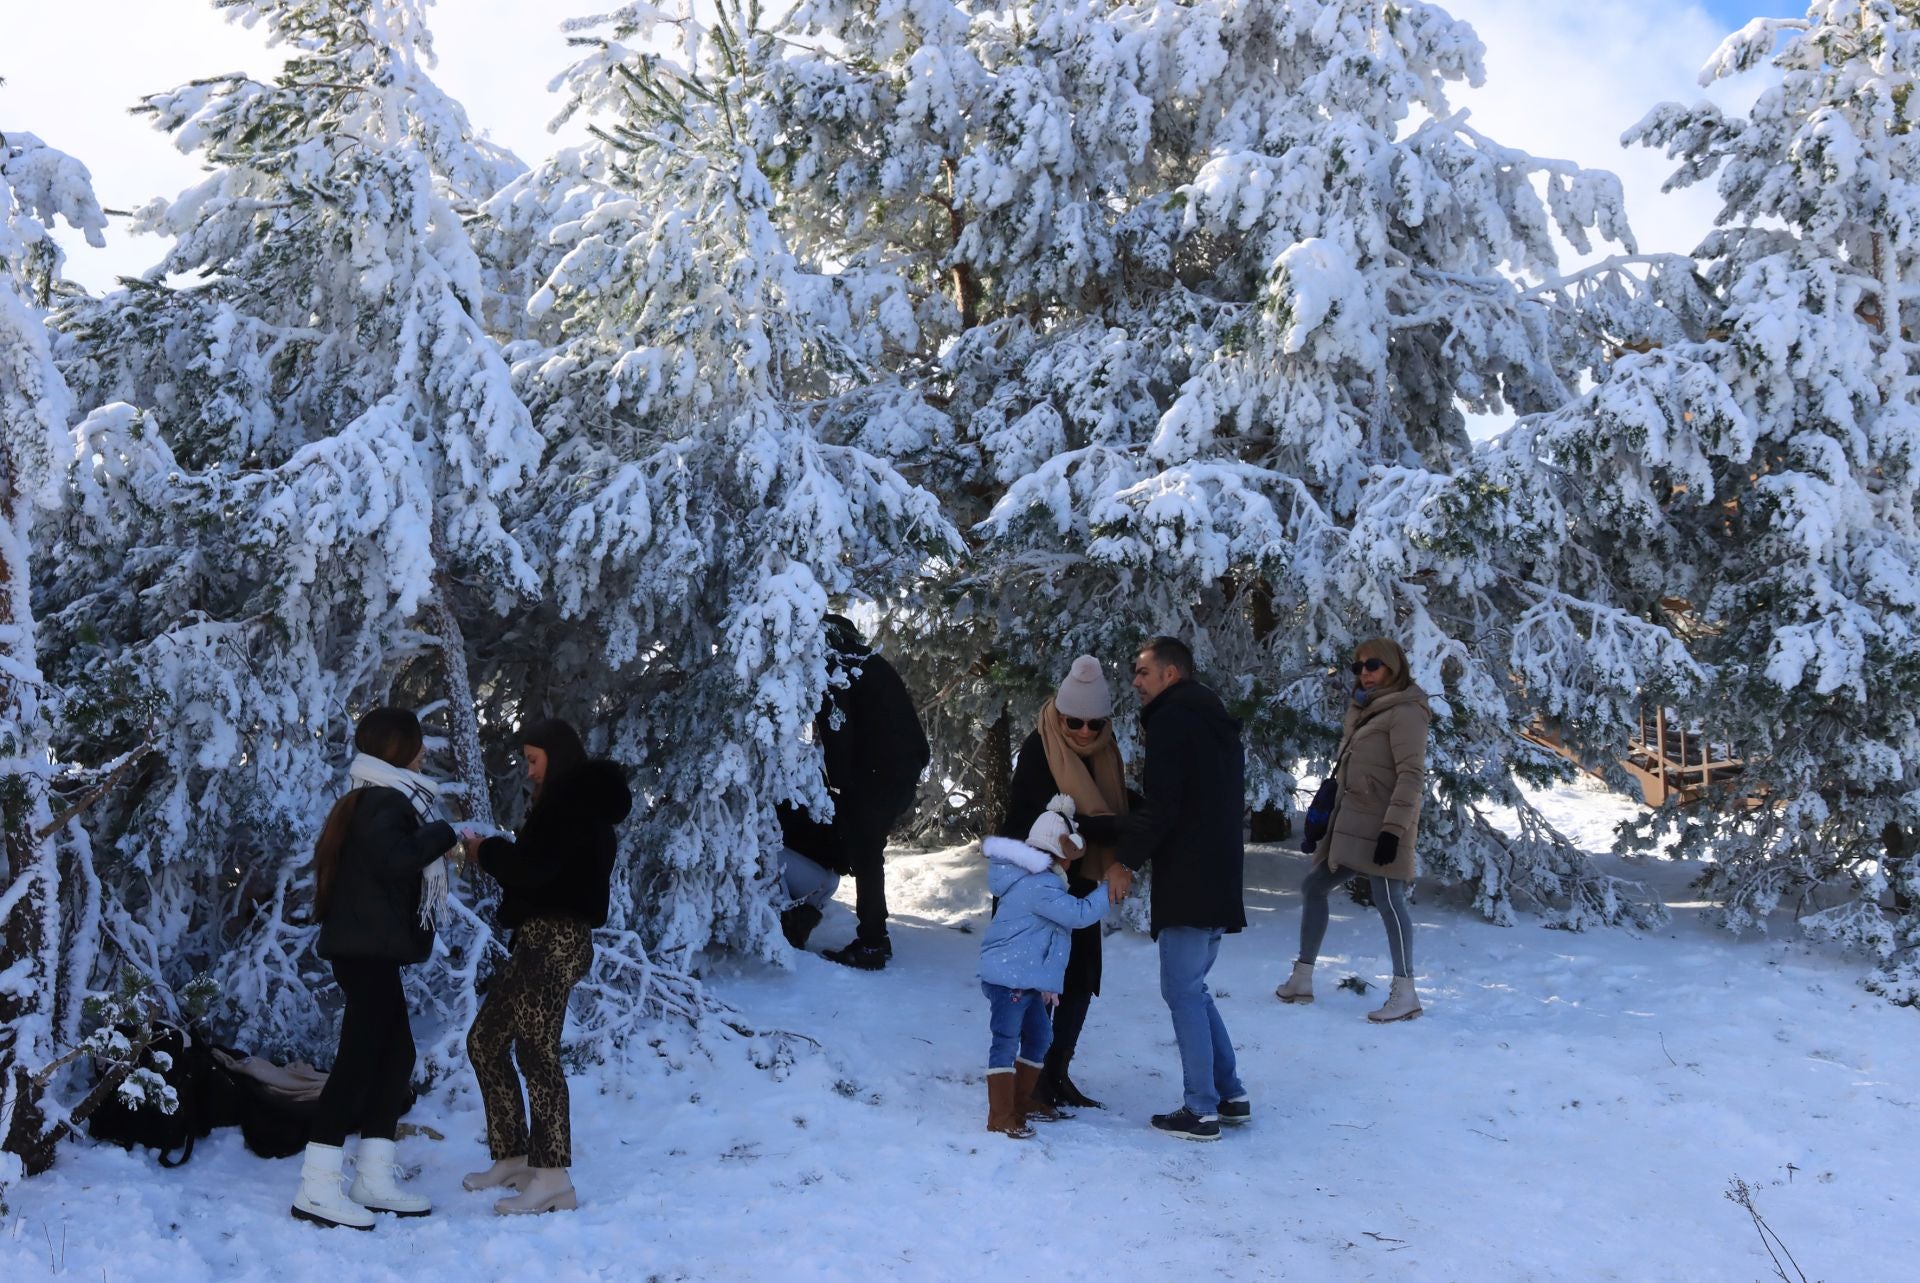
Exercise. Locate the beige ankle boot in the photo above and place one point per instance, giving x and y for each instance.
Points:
(1402, 1003)
(1299, 986)
(548, 1190)
(511, 1172)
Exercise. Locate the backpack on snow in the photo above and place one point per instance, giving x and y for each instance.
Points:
(203, 1092)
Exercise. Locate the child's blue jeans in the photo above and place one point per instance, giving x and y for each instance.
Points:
(1020, 1026)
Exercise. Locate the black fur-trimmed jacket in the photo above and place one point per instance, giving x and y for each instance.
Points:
(561, 865)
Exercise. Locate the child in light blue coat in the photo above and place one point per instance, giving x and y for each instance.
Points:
(1023, 958)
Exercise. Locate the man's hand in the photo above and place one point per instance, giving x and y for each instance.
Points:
(1119, 882)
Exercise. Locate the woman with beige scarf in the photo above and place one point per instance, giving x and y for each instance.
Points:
(1381, 766)
(1072, 750)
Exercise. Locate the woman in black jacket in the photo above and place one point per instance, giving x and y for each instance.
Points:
(1072, 751)
(377, 875)
(555, 878)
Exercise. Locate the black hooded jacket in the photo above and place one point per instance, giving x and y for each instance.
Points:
(373, 909)
(1194, 779)
(874, 747)
(562, 863)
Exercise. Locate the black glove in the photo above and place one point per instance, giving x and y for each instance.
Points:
(1387, 849)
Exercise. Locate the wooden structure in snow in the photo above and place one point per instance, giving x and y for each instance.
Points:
(1670, 761)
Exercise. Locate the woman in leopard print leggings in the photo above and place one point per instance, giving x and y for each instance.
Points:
(555, 877)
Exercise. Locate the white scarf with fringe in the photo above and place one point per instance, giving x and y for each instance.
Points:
(424, 794)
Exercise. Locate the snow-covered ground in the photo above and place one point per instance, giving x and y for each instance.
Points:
(1571, 1107)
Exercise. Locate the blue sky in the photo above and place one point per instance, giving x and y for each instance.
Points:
(1737, 13)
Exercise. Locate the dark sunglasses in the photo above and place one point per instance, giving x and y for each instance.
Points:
(1094, 724)
(1367, 666)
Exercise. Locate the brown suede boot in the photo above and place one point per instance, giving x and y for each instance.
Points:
(1026, 1075)
(1003, 1114)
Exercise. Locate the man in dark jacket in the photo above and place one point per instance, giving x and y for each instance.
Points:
(1189, 828)
(875, 752)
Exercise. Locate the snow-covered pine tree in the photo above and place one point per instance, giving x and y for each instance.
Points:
(702, 503)
(309, 509)
(1763, 477)
(38, 1000)
(1205, 294)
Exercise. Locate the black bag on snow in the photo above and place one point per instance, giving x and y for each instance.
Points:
(204, 1092)
(273, 1123)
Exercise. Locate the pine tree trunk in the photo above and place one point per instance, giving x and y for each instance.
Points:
(463, 718)
(996, 767)
(31, 931)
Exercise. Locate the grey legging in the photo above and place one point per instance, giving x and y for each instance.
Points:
(1389, 896)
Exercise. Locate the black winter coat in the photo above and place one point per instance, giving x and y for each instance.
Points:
(1190, 824)
(1033, 787)
(875, 749)
(373, 910)
(561, 865)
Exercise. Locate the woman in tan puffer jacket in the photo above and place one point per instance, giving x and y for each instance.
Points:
(1381, 766)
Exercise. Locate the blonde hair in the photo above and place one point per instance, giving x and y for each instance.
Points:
(1388, 652)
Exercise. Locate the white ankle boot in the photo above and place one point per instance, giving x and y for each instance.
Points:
(1402, 1003)
(376, 1183)
(548, 1190)
(512, 1172)
(323, 1196)
(1299, 988)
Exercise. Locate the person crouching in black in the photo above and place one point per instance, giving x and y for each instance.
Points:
(378, 881)
(556, 876)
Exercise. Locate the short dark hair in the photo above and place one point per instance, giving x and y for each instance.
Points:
(1169, 650)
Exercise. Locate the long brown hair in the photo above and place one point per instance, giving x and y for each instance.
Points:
(391, 734)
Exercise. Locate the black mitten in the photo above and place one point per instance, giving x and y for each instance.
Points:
(1387, 849)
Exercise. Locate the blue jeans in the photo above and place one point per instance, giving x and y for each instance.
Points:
(1207, 1067)
(804, 881)
(1020, 1025)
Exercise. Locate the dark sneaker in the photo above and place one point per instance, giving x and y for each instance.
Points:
(861, 955)
(1236, 1111)
(1183, 1123)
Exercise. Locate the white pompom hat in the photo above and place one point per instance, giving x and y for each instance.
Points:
(1053, 832)
(1085, 692)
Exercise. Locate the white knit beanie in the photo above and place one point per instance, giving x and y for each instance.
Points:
(1053, 833)
(1085, 692)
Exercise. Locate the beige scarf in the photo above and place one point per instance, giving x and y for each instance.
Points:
(1093, 778)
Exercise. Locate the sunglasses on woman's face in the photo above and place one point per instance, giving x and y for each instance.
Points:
(1094, 724)
(1367, 666)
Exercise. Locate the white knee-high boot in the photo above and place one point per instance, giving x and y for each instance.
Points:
(323, 1195)
(376, 1182)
